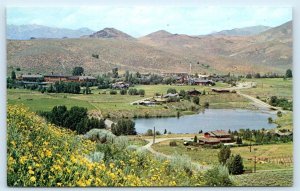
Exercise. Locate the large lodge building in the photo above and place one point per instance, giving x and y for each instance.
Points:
(215, 137)
(55, 78)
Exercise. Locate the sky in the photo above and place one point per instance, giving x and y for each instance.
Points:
(138, 21)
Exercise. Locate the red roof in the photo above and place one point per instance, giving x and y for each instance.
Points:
(219, 133)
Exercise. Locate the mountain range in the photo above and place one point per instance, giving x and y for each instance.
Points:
(267, 51)
(246, 31)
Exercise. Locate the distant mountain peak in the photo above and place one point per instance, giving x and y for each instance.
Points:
(25, 32)
(160, 33)
(245, 31)
(110, 33)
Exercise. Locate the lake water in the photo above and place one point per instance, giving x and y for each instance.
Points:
(210, 119)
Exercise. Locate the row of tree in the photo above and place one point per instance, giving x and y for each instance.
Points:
(288, 74)
(259, 136)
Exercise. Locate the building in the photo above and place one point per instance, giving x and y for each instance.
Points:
(222, 135)
(86, 79)
(204, 77)
(208, 141)
(215, 137)
(221, 90)
(170, 95)
(201, 82)
(174, 74)
(120, 85)
(32, 78)
(56, 78)
(193, 92)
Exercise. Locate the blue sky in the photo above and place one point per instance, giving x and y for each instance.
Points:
(141, 20)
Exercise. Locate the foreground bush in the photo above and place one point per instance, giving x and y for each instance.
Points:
(218, 176)
(41, 154)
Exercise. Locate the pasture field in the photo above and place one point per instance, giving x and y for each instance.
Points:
(267, 87)
(207, 156)
(268, 178)
(119, 105)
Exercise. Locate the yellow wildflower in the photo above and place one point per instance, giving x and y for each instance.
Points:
(31, 172)
(29, 144)
(48, 153)
(32, 179)
(23, 159)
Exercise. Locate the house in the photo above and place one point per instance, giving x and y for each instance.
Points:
(56, 78)
(86, 79)
(201, 82)
(221, 135)
(203, 77)
(170, 95)
(73, 78)
(194, 92)
(147, 103)
(208, 141)
(284, 134)
(221, 90)
(32, 78)
(215, 137)
(173, 74)
(120, 85)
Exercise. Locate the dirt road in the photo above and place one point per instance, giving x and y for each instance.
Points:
(157, 140)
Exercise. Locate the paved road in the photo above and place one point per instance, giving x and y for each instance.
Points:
(260, 104)
(157, 140)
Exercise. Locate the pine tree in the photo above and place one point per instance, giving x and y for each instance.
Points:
(235, 165)
(13, 75)
(224, 154)
(165, 132)
(195, 139)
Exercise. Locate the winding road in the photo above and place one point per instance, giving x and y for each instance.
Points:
(157, 140)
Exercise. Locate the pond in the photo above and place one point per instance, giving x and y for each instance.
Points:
(210, 119)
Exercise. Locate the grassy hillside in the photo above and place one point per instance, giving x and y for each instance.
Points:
(43, 155)
(210, 156)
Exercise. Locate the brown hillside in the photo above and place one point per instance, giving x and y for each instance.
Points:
(270, 51)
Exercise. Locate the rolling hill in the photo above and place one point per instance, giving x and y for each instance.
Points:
(246, 31)
(110, 33)
(269, 51)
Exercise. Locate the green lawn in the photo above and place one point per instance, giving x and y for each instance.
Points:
(45, 102)
(210, 156)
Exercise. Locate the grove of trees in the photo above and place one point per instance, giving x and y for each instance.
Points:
(124, 127)
(75, 119)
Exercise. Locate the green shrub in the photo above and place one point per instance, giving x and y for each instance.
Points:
(173, 143)
(172, 91)
(113, 92)
(218, 176)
